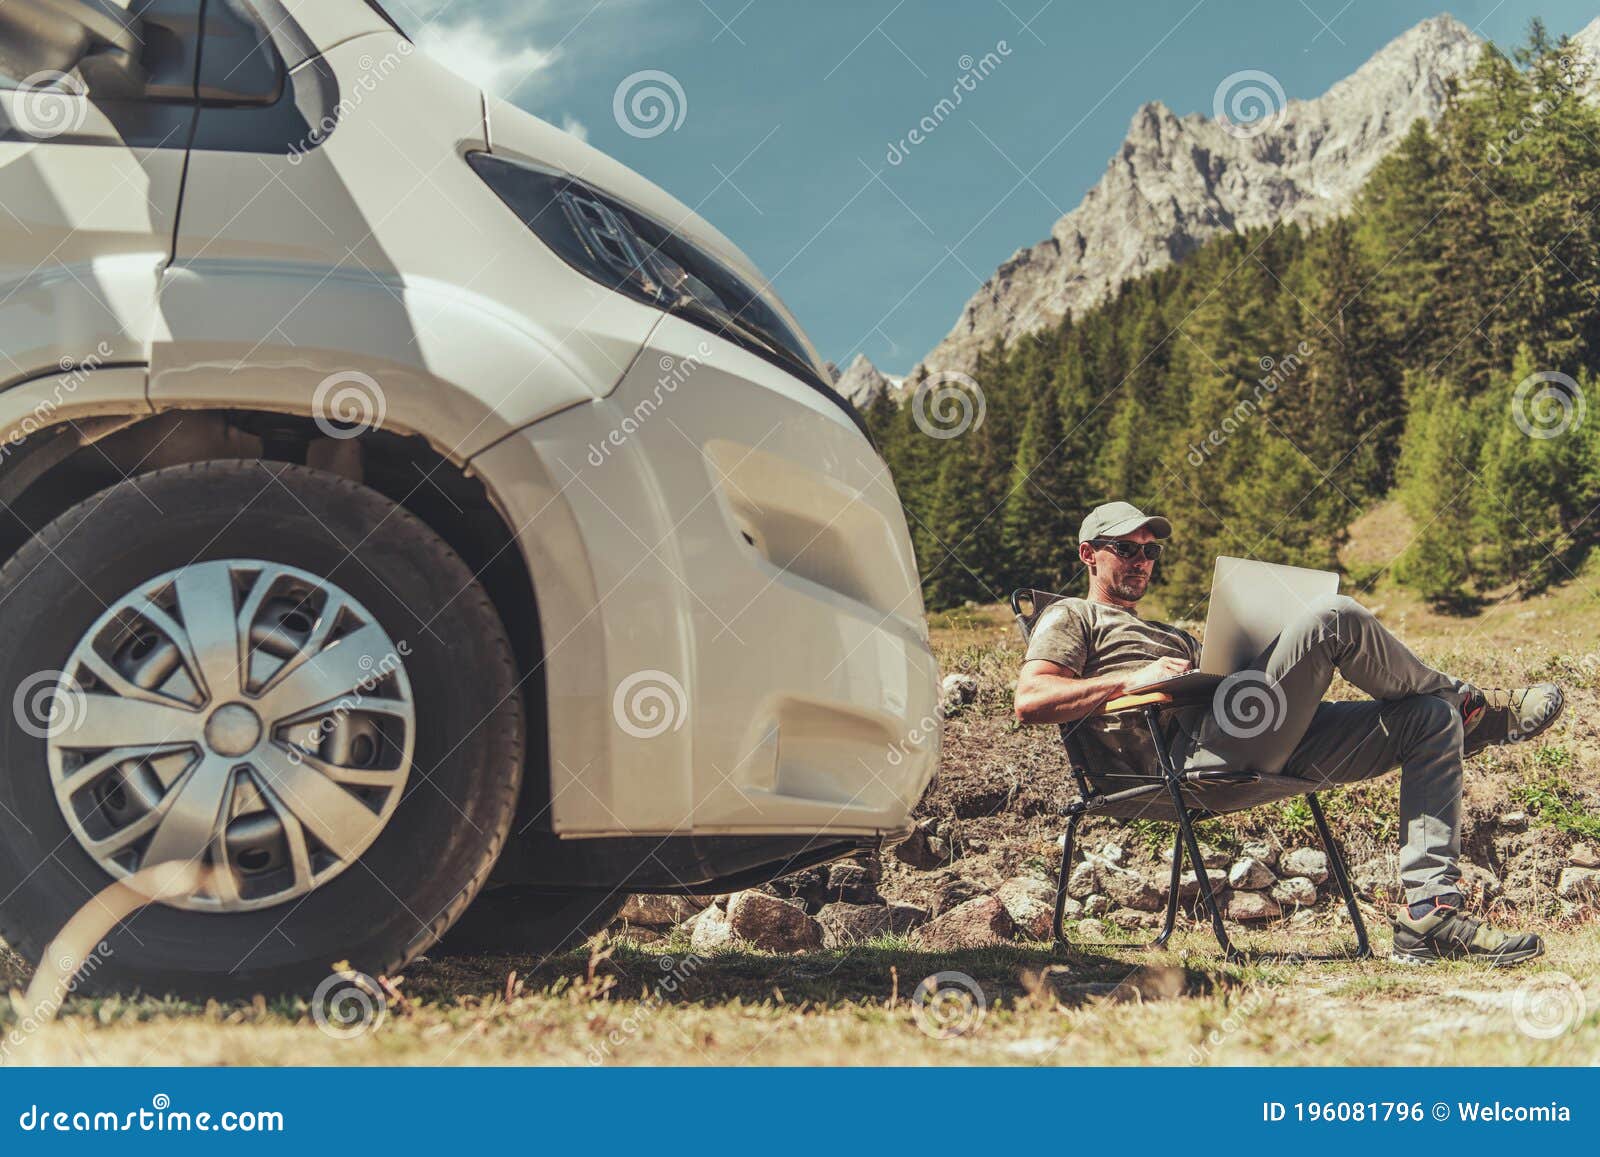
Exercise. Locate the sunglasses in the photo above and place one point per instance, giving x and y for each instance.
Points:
(1124, 549)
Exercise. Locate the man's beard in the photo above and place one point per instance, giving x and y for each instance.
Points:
(1130, 588)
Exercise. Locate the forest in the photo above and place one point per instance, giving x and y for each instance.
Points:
(1437, 345)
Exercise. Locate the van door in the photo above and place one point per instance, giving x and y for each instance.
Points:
(89, 190)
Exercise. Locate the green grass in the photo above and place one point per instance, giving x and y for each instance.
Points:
(1551, 800)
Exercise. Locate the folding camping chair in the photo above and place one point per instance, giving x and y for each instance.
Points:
(1170, 794)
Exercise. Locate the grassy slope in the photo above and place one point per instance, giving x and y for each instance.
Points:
(1090, 1006)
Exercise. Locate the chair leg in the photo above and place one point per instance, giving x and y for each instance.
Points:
(1172, 891)
(1206, 895)
(1057, 931)
(1336, 864)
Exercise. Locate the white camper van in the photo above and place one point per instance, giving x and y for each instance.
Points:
(408, 515)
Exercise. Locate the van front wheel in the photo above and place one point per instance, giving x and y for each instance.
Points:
(274, 676)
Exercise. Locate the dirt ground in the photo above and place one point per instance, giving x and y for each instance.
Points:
(623, 1001)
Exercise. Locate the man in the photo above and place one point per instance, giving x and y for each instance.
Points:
(1084, 652)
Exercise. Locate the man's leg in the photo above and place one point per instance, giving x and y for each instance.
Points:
(1347, 742)
(1259, 717)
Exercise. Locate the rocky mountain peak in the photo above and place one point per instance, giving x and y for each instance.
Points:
(1178, 181)
(861, 382)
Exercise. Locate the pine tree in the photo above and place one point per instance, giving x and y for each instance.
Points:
(1440, 435)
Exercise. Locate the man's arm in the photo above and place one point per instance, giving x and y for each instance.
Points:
(1050, 693)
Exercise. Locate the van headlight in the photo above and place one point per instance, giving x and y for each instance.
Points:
(633, 254)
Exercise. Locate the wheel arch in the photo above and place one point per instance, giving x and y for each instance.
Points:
(53, 456)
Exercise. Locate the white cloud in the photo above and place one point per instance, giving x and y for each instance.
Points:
(484, 58)
(577, 128)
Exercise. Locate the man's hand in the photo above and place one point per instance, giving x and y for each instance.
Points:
(1159, 670)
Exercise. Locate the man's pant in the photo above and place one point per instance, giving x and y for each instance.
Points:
(1270, 719)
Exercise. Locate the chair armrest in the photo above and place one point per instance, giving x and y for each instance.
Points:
(1129, 702)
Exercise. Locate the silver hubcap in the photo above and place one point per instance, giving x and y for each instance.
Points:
(244, 715)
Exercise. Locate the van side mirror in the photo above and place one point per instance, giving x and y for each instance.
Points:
(97, 38)
(148, 50)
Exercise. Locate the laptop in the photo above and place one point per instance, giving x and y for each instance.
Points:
(1251, 602)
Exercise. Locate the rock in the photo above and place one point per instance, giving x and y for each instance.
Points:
(847, 924)
(1129, 919)
(771, 924)
(1112, 853)
(1311, 863)
(917, 851)
(939, 849)
(1378, 878)
(1252, 906)
(1480, 880)
(646, 911)
(955, 891)
(1084, 879)
(851, 883)
(1209, 856)
(955, 693)
(1514, 821)
(1256, 850)
(1131, 890)
(861, 382)
(809, 886)
(1189, 885)
(1090, 929)
(1579, 884)
(1583, 856)
(1250, 874)
(976, 924)
(1096, 905)
(1031, 904)
(710, 932)
(1294, 892)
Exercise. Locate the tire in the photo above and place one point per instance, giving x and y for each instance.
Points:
(513, 919)
(457, 756)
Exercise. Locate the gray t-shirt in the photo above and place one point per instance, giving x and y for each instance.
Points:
(1089, 639)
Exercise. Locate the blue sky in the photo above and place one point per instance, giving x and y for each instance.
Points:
(790, 107)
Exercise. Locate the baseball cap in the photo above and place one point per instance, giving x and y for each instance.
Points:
(1112, 519)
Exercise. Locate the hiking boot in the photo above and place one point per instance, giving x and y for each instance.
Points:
(1443, 933)
(1492, 717)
